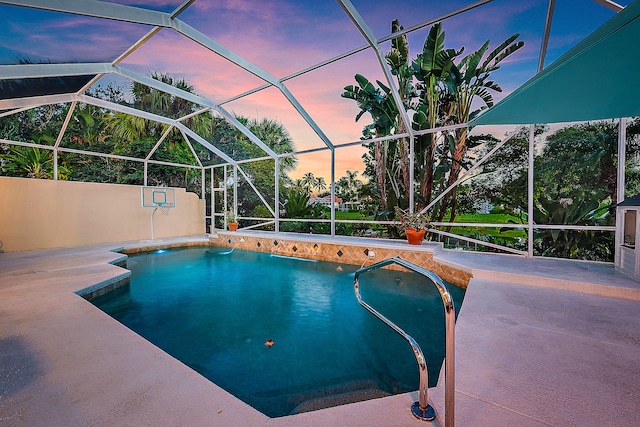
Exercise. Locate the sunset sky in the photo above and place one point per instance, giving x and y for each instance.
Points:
(285, 36)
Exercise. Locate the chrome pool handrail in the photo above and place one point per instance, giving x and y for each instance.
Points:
(421, 409)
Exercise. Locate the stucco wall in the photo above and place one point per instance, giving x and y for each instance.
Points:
(40, 214)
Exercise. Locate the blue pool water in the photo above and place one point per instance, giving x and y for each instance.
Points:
(214, 311)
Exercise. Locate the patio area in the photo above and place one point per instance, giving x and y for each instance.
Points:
(539, 342)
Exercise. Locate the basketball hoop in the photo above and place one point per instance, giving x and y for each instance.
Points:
(162, 198)
(165, 208)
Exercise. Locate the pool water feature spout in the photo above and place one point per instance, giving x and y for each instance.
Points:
(370, 255)
(236, 245)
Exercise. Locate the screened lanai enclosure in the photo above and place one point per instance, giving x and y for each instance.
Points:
(512, 125)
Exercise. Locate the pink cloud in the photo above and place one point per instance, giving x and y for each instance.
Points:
(271, 37)
(318, 92)
(212, 75)
(265, 11)
(280, 37)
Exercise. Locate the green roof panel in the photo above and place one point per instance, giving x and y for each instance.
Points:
(594, 80)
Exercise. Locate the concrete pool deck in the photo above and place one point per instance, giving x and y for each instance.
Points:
(539, 342)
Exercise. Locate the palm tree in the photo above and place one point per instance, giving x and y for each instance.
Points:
(435, 71)
(308, 181)
(134, 136)
(349, 185)
(298, 184)
(127, 128)
(276, 137)
(398, 60)
(342, 188)
(383, 110)
(352, 177)
(87, 127)
(471, 81)
(319, 184)
(231, 141)
(442, 93)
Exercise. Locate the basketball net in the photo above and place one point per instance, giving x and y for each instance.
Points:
(165, 208)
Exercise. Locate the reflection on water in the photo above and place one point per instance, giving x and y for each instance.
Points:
(215, 314)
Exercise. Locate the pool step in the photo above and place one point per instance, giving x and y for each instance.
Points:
(337, 399)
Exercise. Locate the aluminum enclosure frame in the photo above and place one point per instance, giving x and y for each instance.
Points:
(161, 20)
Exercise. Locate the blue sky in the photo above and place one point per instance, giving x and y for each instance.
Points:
(285, 36)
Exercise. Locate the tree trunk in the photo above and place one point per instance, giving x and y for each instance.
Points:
(452, 217)
(404, 163)
(380, 174)
(426, 184)
(460, 150)
(427, 179)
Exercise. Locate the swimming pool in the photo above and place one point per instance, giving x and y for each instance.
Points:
(216, 310)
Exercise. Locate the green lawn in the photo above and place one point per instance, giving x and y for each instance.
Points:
(476, 218)
(489, 219)
(469, 218)
(496, 232)
(354, 216)
(486, 218)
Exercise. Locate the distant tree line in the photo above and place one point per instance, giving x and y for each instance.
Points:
(575, 167)
(100, 130)
(575, 183)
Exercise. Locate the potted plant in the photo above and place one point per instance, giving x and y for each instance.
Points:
(232, 220)
(415, 225)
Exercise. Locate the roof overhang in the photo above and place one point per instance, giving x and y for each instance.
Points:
(592, 81)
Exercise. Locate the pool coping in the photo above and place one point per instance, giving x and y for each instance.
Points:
(135, 382)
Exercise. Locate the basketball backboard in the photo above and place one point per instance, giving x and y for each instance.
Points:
(158, 197)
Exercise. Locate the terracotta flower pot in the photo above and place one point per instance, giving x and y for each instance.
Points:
(233, 226)
(414, 237)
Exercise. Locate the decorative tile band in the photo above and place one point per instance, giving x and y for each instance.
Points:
(342, 253)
